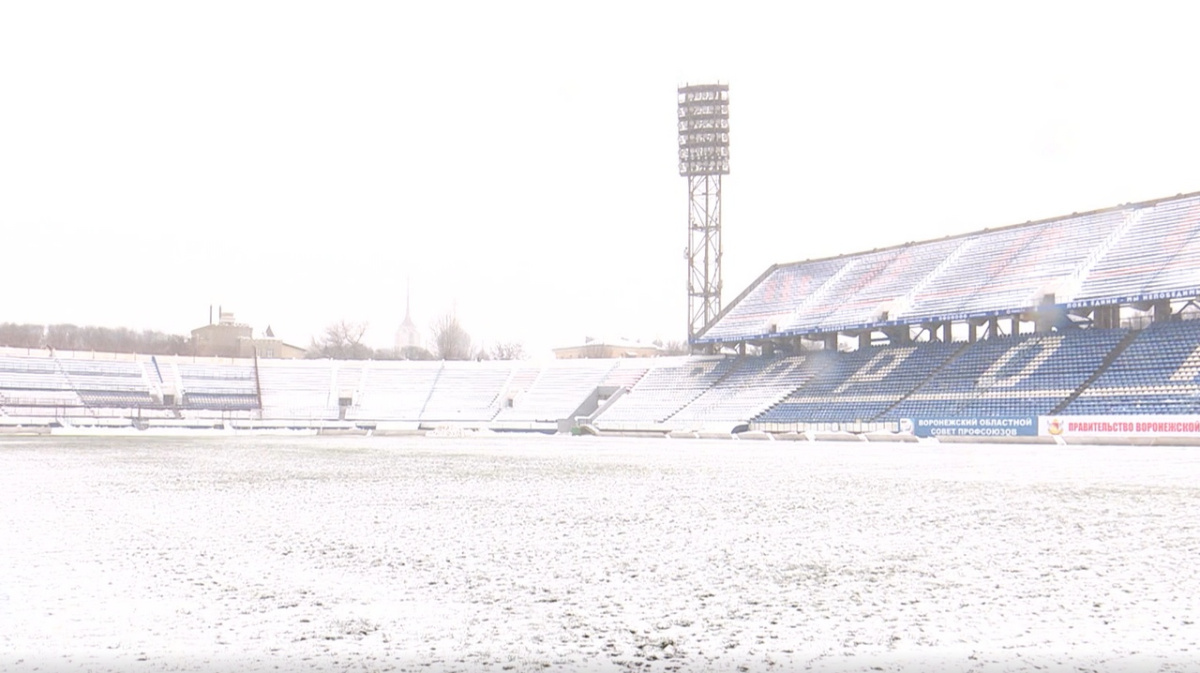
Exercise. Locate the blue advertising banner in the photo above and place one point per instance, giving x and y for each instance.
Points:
(1019, 426)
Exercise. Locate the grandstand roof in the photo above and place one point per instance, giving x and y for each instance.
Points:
(1127, 253)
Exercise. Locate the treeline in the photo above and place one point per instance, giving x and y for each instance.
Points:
(343, 340)
(69, 337)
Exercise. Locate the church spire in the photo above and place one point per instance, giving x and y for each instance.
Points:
(408, 302)
(407, 336)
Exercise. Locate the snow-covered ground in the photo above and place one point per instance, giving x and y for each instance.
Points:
(587, 554)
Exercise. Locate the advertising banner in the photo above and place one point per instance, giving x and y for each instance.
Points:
(1119, 426)
(1020, 426)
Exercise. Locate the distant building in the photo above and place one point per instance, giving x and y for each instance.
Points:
(607, 348)
(269, 346)
(222, 339)
(231, 339)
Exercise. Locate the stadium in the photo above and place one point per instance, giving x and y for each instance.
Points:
(484, 544)
(1073, 327)
(875, 448)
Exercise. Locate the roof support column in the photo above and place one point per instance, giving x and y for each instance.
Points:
(1162, 310)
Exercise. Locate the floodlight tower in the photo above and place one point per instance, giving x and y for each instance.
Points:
(703, 159)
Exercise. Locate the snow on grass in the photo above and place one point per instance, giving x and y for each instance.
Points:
(586, 554)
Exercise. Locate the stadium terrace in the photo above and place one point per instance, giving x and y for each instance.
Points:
(1074, 326)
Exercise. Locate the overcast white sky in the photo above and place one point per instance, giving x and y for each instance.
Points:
(295, 162)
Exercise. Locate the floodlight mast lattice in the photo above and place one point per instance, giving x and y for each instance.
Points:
(703, 159)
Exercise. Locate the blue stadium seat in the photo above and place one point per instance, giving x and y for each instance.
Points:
(1014, 376)
(1158, 373)
(860, 385)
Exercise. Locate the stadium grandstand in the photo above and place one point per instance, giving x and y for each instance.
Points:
(1036, 328)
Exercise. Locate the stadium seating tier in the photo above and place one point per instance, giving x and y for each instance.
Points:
(1122, 253)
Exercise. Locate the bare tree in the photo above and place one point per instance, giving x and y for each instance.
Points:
(342, 341)
(66, 337)
(675, 348)
(406, 353)
(21, 336)
(414, 353)
(450, 340)
(507, 350)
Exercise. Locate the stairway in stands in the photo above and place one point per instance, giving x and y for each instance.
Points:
(933, 374)
(1104, 365)
(74, 388)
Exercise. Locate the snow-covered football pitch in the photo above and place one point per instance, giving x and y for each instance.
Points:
(521, 553)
